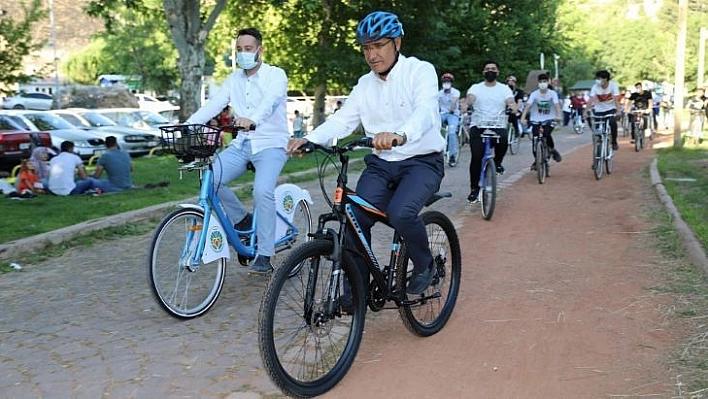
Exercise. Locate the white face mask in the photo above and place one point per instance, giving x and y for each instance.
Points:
(247, 60)
(447, 85)
(543, 85)
(598, 81)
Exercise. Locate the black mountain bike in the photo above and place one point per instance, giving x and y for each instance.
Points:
(541, 152)
(310, 327)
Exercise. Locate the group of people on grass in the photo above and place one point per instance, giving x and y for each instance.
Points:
(65, 174)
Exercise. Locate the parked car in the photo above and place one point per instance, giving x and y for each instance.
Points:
(86, 144)
(16, 144)
(37, 100)
(133, 141)
(136, 118)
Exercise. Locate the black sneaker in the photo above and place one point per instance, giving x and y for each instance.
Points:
(452, 161)
(245, 223)
(500, 170)
(418, 282)
(260, 265)
(473, 198)
(615, 147)
(556, 155)
(533, 165)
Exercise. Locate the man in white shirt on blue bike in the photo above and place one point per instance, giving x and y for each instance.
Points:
(489, 98)
(396, 101)
(449, 102)
(257, 94)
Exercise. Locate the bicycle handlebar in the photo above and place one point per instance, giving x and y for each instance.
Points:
(548, 123)
(364, 142)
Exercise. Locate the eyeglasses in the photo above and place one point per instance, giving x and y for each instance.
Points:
(367, 48)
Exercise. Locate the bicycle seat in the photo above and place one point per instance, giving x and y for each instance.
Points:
(437, 196)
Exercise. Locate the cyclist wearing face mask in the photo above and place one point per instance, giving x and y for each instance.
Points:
(489, 98)
(257, 94)
(605, 100)
(543, 105)
(518, 98)
(448, 101)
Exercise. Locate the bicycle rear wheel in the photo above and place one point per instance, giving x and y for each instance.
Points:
(306, 348)
(598, 157)
(514, 142)
(489, 191)
(184, 290)
(430, 316)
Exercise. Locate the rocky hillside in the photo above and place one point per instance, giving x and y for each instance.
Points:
(73, 27)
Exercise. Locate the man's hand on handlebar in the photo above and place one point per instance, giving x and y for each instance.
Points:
(294, 145)
(244, 123)
(385, 140)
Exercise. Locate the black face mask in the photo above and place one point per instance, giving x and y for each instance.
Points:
(490, 76)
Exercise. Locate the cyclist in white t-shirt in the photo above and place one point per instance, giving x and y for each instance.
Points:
(489, 98)
(543, 105)
(605, 100)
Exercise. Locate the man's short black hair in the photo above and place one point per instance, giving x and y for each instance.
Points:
(111, 141)
(602, 74)
(251, 32)
(489, 62)
(67, 146)
(542, 76)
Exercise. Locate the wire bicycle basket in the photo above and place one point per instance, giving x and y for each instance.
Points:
(489, 121)
(190, 141)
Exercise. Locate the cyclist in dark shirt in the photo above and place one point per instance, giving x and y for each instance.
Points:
(640, 100)
(518, 99)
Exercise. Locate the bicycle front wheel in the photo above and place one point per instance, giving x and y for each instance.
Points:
(609, 160)
(514, 142)
(430, 316)
(598, 157)
(540, 162)
(489, 191)
(307, 339)
(184, 289)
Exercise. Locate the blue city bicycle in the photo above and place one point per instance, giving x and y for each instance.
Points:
(490, 125)
(190, 248)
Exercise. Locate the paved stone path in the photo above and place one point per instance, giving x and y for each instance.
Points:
(85, 325)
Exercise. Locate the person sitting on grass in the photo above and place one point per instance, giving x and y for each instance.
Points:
(28, 184)
(117, 165)
(39, 158)
(62, 171)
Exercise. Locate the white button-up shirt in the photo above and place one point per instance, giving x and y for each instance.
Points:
(261, 98)
(406, 102)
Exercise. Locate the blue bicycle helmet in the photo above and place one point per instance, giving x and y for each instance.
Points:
(378, 25)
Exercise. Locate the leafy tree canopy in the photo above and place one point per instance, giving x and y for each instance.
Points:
(16, 43)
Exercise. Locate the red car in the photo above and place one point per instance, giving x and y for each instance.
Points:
(15, 145)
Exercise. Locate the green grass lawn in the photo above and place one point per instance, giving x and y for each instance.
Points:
(684, 173)
(48, 212)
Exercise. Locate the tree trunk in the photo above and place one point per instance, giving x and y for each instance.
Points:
(320, 76)
(680, 72)
(189, 36)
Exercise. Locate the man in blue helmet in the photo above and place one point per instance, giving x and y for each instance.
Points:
(396, 101)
